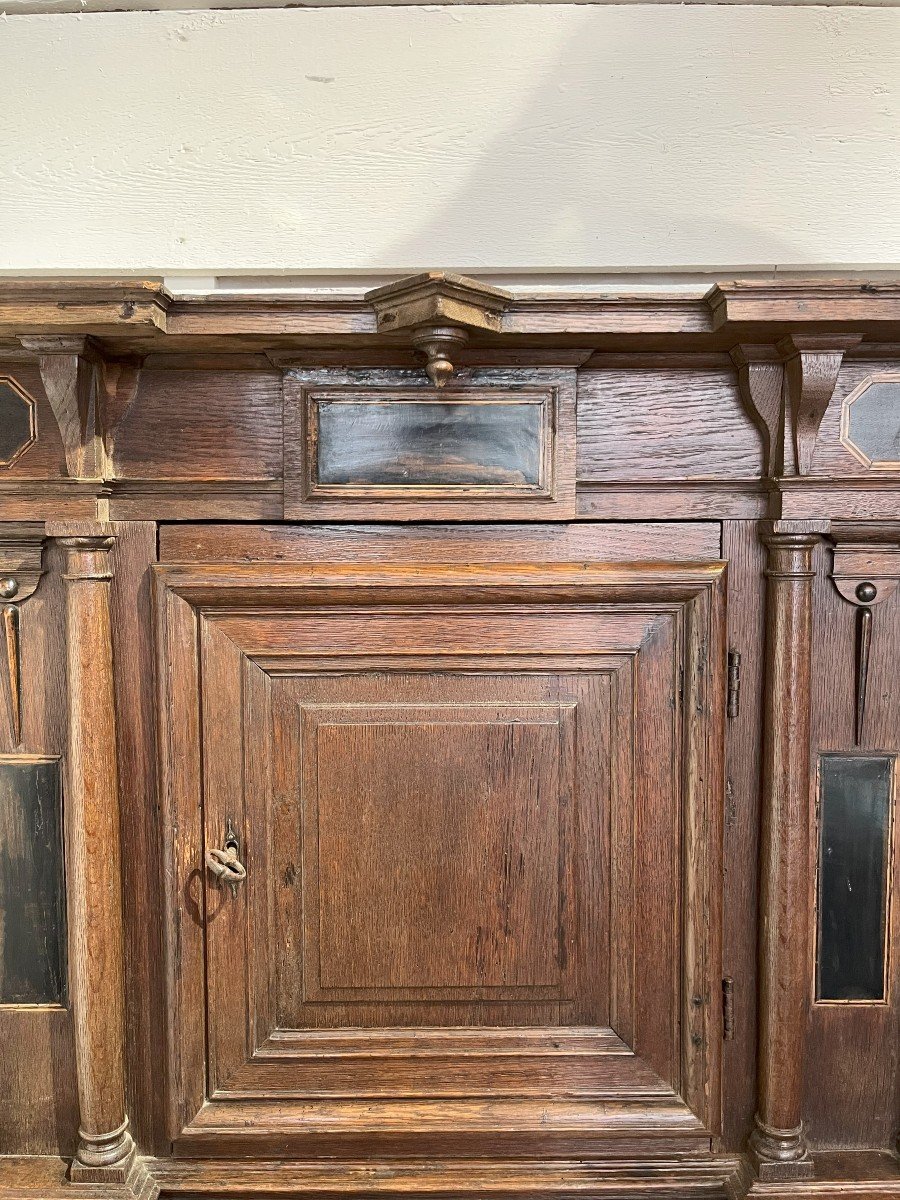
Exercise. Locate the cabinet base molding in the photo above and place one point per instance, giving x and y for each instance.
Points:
(155, 1179)
(838, 1175)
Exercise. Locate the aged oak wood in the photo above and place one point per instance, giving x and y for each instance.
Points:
(105, 1147)
(778, 1142)
(259, 657)
(528, 865)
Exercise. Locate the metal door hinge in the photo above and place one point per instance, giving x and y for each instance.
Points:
(733, 704)
(728, 1008)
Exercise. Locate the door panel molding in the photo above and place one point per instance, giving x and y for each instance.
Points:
(654, 632)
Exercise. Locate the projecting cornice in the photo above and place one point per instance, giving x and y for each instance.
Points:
(131, 316)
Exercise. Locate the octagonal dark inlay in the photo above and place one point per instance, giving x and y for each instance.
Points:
(871, 420)
(16, 421)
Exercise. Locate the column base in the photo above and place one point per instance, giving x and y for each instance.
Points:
(779, 1155)
(104, 1157)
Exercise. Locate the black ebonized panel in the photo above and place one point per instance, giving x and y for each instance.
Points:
(32, 884)
(854, 851)
(406, 443)
(16, 421)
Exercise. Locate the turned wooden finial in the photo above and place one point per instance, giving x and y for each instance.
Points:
(439, 310)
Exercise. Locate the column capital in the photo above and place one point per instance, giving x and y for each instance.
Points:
(88, 557)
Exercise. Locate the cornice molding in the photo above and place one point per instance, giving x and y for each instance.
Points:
(144, 313)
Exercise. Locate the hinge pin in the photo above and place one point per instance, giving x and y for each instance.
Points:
(728, 1008)
(734, 684)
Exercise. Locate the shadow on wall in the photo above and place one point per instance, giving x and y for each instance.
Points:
(603, 166)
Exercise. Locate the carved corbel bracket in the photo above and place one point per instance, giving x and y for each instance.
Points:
(760, 372)
(811, 369)
(67, 366)
(865, 571)
(21, 567)
(438, 309)
(119, 380)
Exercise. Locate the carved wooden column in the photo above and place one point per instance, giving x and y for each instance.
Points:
(105, 1148)
(777, 1145)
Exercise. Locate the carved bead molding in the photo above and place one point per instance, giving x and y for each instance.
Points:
(865, 571)
(21, 567)
(438, 310)
(811, 370)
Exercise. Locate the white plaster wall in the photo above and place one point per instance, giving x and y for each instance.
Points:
(494, 139)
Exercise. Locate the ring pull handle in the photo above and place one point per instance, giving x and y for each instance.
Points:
(225, 864)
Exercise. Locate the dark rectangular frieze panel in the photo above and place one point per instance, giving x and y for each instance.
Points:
(426, 443)
(32, 888)
(492, 444)
(854, 852)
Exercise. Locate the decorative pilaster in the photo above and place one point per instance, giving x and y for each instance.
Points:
(777, 1145)
(105, 1149)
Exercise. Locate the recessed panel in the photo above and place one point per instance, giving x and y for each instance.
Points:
(32, 889)
(854, 852)
(418, 828)
(492, 444)
(436, 854)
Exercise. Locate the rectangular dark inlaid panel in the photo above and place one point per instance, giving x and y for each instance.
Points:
(403, 443)
(854, 854)
(32, 883)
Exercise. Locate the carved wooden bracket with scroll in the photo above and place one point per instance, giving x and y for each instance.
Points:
(786, 390)
(811, 366)
(760, 374)
(67, 372)
(865, 571)
(438, 310)
(89, 396)
(21, 567)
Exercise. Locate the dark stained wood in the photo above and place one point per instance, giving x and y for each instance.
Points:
(534, 970)
(692, 541)
(778, 1142)
(459, 479)
(32, 886)
(745, 555)
(811, 366)
(761, 380)
(201, 425)
(663, 423)
(67, 372)
(852, 1049)
(105, 1147)
(145, 1016)
(38, 1105)
(498, 830)
(44, 458)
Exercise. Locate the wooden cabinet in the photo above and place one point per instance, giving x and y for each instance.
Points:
(449, 743)
(478, 809)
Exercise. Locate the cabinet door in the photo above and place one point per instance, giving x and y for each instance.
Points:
(479, 813)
